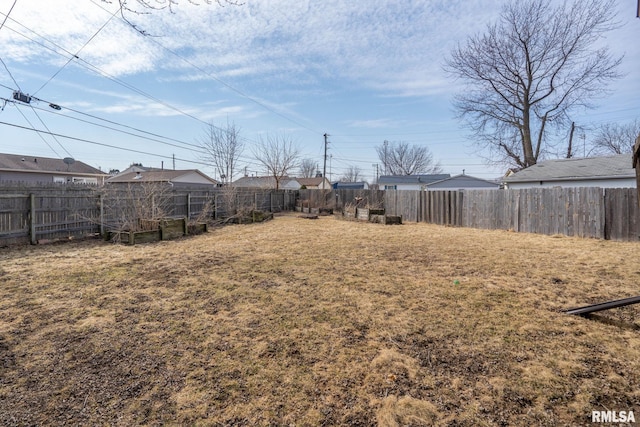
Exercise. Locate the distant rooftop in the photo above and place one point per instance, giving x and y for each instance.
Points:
(618, 166)
(21, 163)
(411, 179)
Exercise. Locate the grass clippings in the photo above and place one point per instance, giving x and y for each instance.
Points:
(318, 323)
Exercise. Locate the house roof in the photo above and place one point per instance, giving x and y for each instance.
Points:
(591, 168)
(412, 179)
(36, 164)
(311, 182)
(159, 176)
(350, 185)
(463, 181)
(261, 181)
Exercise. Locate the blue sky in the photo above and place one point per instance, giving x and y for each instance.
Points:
(363, 72)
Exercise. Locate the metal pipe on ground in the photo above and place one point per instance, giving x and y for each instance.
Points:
(603, 306)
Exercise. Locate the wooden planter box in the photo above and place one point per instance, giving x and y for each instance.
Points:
(349, 213)
(133, 237)
(386, 219)
(362, 214)
(165, 229)
(171, 228)
(198, 228)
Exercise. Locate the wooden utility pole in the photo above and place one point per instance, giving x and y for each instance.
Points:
(324, 167)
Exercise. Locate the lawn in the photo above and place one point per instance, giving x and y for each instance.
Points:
(319, 322)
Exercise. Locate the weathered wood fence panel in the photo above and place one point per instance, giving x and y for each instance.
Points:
(622, 214)
(338, 199)
(402, 203)
(569, 211)
(36, 214)
(14, 218)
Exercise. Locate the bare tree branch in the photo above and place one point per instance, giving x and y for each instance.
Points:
(400, 158)
(307, 168)
(223, 148)
(528, 71)
(614, 138)
(352, 174)
(278, 154)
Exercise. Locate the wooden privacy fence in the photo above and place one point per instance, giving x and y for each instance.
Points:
(32, 215)
(610, 213)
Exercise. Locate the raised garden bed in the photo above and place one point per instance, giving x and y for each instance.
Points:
(164, 229)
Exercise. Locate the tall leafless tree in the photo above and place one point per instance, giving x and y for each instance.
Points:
(527, 72)
(352, 174)
(614, 138)
(278, 154)
(223, 148)
(307, 168)
(400, 158)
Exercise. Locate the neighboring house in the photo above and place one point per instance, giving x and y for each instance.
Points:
(136, 167)
(188, 177)
(34, 169)
(317, 183)
(362, 185)
(463, 182)
(409, 182)
(286, 183)
(605, 172)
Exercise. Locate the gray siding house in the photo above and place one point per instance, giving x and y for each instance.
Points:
(35, 169)
(409, 182)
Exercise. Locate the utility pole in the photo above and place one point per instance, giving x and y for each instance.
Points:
(377, 173)
(386, 143)
(324, 167)
(174, 162)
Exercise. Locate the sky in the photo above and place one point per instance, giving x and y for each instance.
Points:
(361, 72)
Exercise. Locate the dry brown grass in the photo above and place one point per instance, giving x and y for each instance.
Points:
(327, 322)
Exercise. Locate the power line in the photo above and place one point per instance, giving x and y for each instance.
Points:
(120, 130)
(236, 90)
(99, 71)
(99, 143)
(78, 51)
(8, 13)
(39, 134)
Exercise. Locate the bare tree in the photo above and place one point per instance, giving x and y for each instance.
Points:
(527, 72)
(352, 174)
(400, 158)
(307, 168)
(223, 148)
(278, 154)
(613, 138)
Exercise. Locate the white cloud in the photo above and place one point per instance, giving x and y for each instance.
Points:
(279, 40)
(395, 47)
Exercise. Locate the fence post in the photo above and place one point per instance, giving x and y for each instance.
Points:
(188, 206)
(101, 201)
(32, 219)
